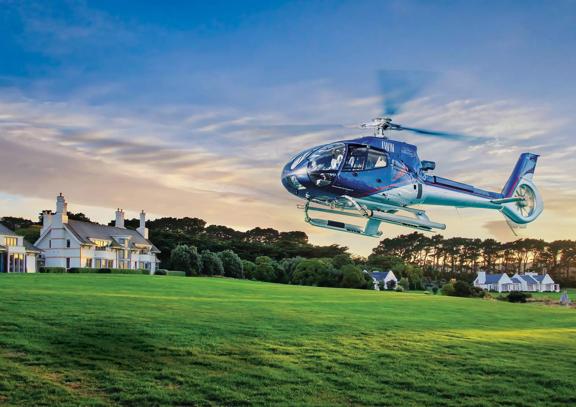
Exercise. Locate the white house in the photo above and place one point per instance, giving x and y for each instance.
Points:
(519, 282)
(383, 277)
(71, 243)
(536, 282)
(16, 254)
(494, 282)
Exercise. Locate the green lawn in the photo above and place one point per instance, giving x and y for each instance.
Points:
(141, 340)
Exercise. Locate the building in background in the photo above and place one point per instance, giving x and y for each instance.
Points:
(16, 254)
(531, 282)
(71, 243)
(385, 279)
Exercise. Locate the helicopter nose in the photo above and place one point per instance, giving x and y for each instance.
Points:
(295, 180)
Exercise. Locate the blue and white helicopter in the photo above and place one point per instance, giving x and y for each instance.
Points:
(380, 180)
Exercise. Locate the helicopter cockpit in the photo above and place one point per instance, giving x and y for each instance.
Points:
(324, 163)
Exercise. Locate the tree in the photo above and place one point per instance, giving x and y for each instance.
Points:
(211, 264)
(232, 264)
(352, 277)
(249, 269)
(341, 260)
(404, 283)
(186, 258)
(14, 223)
(391, 284)
(316, 273)
(265, 269)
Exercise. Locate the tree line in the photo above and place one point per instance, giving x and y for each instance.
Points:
(421, 258)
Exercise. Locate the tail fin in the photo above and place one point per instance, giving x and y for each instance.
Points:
(520, 186)
(524, 168)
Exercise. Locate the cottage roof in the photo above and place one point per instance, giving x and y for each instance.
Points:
(538, 278)
(493, 278)
(528, 279)
(27, 245)
(380, 275)
(84, 231)
(516, 280)
(6, 232)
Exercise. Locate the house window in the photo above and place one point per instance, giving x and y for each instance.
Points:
(11, 241)
(89, 263)
(50, 243)
(68, 243)
(67, 262)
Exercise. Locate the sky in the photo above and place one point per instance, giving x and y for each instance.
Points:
(193, 108)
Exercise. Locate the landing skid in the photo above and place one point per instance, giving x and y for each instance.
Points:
(358, 208)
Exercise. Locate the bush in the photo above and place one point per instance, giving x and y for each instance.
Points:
(187, 259)
(404, 283)
(518, 296)
(399, 289)
(353, 277)
(160, 272)
(391, 284)
(211, 264)
(78, 270)
(434, 290)
(448, 289)
(232, 264)
(52, 270)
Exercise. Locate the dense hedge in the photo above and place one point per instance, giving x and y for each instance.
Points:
(52, 270)
(80, 270)
(164, 272)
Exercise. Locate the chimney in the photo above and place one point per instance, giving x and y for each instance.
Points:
(46, 220)
(142, 229)
(61, 215)
(481, 277)
(119, 219)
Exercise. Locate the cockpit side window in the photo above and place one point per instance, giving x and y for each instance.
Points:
(363, 158)
(376, 159)
(327, 158)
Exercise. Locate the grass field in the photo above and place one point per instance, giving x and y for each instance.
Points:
(140, 340)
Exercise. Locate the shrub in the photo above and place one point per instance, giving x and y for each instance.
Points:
(352, 277)
(462, 289)
(160, 272)
(404, 283)
(232, 264)
(211, 264)
(400, 289)
(390, 284)
(448, 289)
(52, 270)
(265, 269)
(434, 290)
(187, 259)
(78, 270)
(518, 296)
(128, 271)
(249, 269)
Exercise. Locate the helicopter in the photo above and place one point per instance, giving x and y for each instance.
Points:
(380, 180)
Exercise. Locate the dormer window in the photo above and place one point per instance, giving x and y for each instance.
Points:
(11, 241)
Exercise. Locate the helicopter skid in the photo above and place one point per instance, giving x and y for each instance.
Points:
(373, 219)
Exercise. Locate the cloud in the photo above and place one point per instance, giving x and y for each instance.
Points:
(222, 163)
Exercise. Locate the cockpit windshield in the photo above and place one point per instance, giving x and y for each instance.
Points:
(327, 158)
(325, 162)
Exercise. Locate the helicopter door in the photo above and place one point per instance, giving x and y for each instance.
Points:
(324, 163)
(364, 170)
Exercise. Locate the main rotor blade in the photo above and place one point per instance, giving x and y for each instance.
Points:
(399, 87)
(447, 135)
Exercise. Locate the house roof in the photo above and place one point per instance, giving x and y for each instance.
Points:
(27, 245)
(538, 278)
(6, 232)
(84, 231)
(516, 280)
(528, 279)
(380, 275)
(493, 278)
